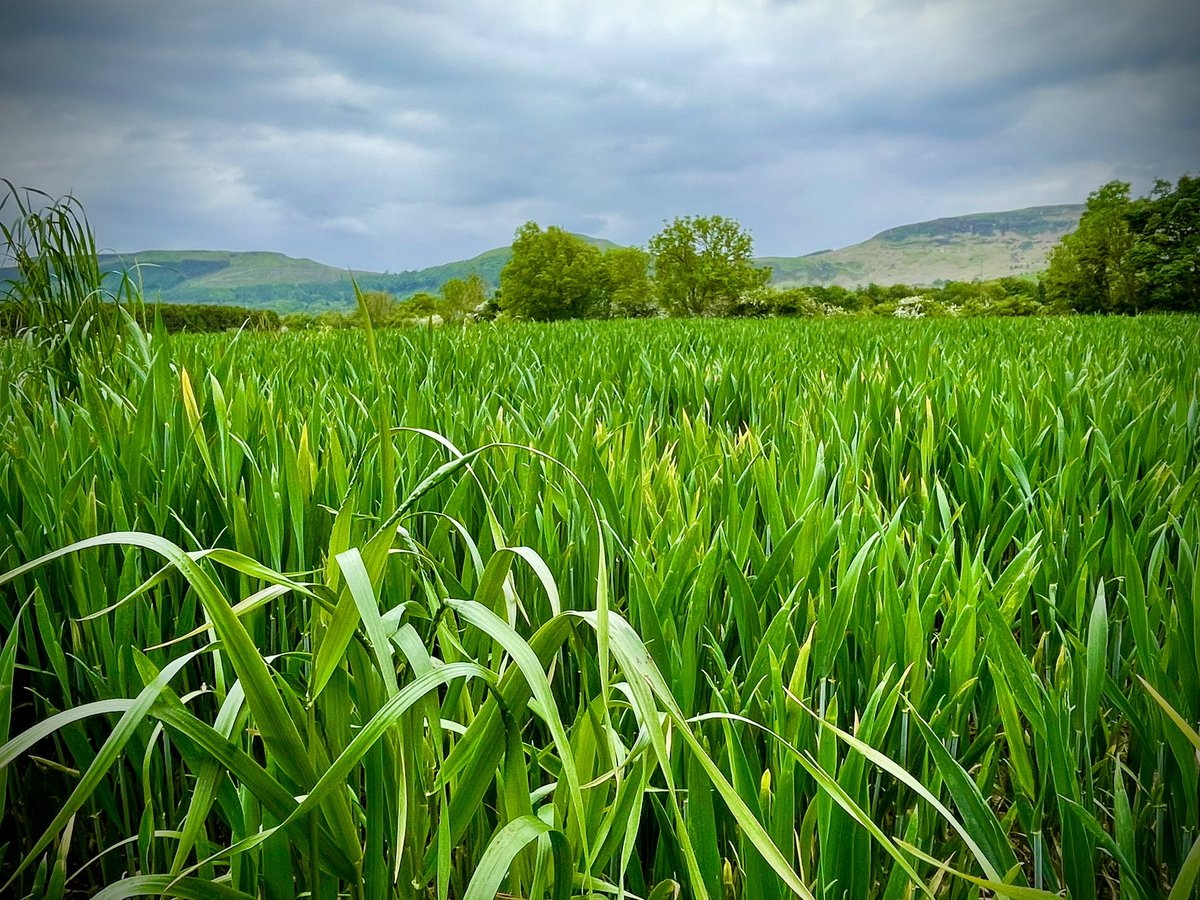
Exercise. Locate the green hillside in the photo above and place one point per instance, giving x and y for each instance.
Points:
(283, 283)
(960, 248)
(186, 275)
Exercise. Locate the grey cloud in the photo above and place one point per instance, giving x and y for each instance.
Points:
(394, 136)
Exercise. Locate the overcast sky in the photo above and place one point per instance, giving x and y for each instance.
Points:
(391, 136)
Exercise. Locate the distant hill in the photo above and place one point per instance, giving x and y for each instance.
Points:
(961, 248)
(282, 283)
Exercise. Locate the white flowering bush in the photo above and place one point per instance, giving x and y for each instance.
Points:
(910, 307)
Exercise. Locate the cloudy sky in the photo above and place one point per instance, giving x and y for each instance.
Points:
(391, 136)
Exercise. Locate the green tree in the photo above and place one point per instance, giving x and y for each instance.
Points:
(1166, 249)
(630, 290)
(552, 274)
(1091, 269)
(382, 307)
(834, 295)
(792, 301)
(422, 305)
(703, 265)
(462, 297)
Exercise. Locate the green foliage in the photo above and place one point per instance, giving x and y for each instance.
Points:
(1002, 297)
(464, 296)
(792, 302)
(1131, 255)
(553, 275)
(630, 289)
(422, 305)
(56, 301)
(1090, 269)
(199, 318)
(1166, 251)
(382, 307)
(703, 265)
(767, 301)
(457, 301)
(835, 296)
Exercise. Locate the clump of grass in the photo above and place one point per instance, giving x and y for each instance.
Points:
(58, 303)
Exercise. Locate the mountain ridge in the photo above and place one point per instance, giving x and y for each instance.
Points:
(952, 248)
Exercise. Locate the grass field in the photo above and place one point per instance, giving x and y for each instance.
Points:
(648, 609)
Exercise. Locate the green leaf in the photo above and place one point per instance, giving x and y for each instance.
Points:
(503, 848)
(1097, 651)
(1185, 881)
(107, 756)
(165, 885)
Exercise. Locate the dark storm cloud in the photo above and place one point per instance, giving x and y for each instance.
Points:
(392, 136)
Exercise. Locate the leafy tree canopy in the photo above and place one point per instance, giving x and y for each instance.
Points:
(703, 265)
(631, 293)
(381, 306)
(461, 297)
(1166, 253)
(552, 275)
(1089, 268)
(1130, 255)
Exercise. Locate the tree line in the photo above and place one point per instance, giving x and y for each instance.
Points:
(697, 265)
(458, 300)
(1128, 255)
(205, 317)
(174, 317)
(703, 266)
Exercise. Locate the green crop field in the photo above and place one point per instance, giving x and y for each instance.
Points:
(823, 608)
